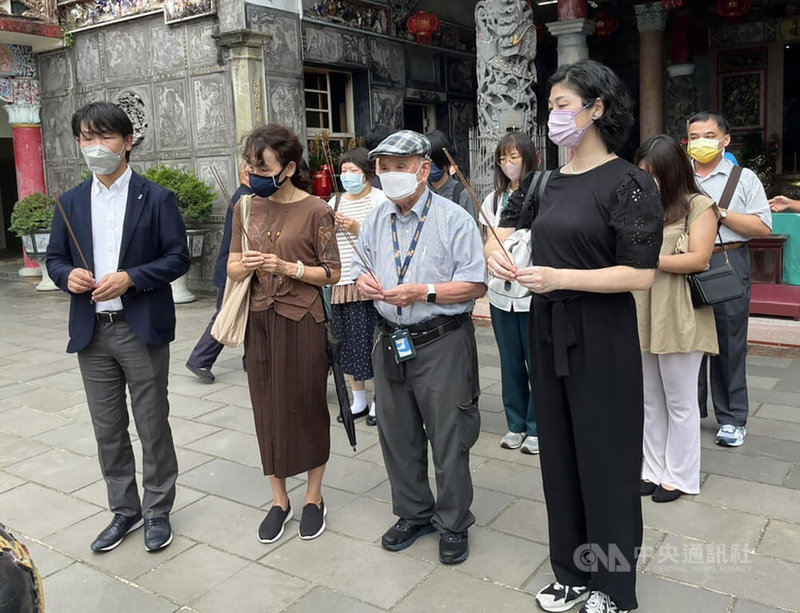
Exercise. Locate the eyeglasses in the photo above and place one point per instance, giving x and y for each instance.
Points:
(514, 158)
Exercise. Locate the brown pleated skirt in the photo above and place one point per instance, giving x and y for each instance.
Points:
(287, 369)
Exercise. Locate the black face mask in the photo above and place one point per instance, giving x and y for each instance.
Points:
(265, 186)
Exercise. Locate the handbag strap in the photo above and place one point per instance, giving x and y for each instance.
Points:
(244, 209)
(725, 201)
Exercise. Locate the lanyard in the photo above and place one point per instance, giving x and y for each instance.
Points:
(402, 268)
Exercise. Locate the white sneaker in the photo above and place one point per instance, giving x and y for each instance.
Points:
(531, 445)
(731, 436)
(556, 597)
(601, 603)
(512, 440)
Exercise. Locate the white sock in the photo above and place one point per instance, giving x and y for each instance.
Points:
(359, 401)
(372, 408)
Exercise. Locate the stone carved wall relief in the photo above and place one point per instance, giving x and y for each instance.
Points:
(56, 73)
(126, 51)
(202, 48)
(57, 135)
(210, 116)
(387, 63)
(322, 45)
(387, 108)
(282, 53)
(167, 45)
(87, 58)
(286, 103)
(173, 128)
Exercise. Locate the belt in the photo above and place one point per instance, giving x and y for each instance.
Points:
(729, 246)
(109, 317)
(429, 330)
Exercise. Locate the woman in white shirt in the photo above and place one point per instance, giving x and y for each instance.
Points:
(354, 318)
(514, 158)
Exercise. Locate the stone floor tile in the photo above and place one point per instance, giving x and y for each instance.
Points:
(321, 599)
(77, 437)
(46, 559)
(790, 398)
(447, 589)
(232, 376)
(487, 505)
(793, 481)
(733, 464)
(37, 511)
(188, 385)
(488, 446)
(750, 497)
(525, 518)
(230, 417)
(24, 421)
(8, 481)
(363, 518)
(254, 589)
(766, 383)
(97, 494)
(61, 470)
(509, 478)
(128, 560)
(744, 606)
(190, 407)
(660, 595)
(353, 475)
(192, 573)
(188, 459)
(235, 446)
(494, 423)
(227, 525)
(544, 576)
(65, 381)
(779, 412)
(365, 572)
(491, 403)
(80, 589)
(766, 580)
(15, 448)
(773, 429)
(781, 540)
(340, 444)
(383, 492)
(237, 395)
(687, 516)
(25, 372)
(185, 431)
(772, 363)
(782, 449)
(371, 453)
(230, 480)
(651, 539)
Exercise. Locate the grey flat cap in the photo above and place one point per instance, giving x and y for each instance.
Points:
(402, 143)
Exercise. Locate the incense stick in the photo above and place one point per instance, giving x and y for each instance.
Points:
(72, 234)
(218, 179)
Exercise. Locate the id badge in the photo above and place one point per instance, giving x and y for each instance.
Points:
(402, 345)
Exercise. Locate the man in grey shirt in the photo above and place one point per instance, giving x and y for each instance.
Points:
(427, 259)
(747, 216)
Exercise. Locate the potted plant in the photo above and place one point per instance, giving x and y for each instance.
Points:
(196, 203)
(31, 220)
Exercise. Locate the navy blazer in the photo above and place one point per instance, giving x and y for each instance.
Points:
(221, 267)
(153, 252)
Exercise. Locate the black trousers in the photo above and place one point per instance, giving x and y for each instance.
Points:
(589, 410)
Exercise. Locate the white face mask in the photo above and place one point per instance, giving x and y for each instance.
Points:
(101, 160)
(399, 185)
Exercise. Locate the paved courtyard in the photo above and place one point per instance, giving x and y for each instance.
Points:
(735, 548)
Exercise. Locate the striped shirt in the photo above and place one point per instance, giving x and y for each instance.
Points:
(357, 209)
(449, 249)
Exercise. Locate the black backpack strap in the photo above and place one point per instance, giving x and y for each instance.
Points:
(457, 190)
(537, 187)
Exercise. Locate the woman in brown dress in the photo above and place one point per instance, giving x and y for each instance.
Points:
(292, 253)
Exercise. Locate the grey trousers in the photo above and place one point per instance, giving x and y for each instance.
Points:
(114, 358)
(728, 376)
(438, 400)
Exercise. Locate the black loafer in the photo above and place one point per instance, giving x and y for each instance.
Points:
(117, 530)
(271, 529)
(662, 495)
(646, 488)
(372, 420)
(157, 533)
(453, 547)
(403, 534)
(359, 415)
(204, 374)
(312, 521)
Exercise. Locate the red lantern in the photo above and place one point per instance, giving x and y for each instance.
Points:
(673, 4)
(732, 8)
(323, 185)
(423, 24)
(607, 24)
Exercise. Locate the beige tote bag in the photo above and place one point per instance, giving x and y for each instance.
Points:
(231, 322)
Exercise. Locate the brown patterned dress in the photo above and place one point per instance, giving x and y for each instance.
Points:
(287, 366)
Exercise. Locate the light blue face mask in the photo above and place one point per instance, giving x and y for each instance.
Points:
(353, 182)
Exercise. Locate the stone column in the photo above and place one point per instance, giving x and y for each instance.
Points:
(28, 160)
(246, 58)
(651, 19)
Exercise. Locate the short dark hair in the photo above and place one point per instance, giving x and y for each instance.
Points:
(524, 145)
(286, 146)
(102, 117)
(665, 159)
(718, 119)
(360, 158)
(591, 80)
(439, 142)
(376, 135)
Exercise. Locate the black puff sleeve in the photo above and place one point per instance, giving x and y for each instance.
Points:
(638, 220)
(513, 216)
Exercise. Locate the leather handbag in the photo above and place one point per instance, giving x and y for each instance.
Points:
(231, 323)
(721, 283)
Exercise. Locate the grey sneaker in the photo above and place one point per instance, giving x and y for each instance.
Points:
(512, 440)
(531, 445)
(556, 597)
(731, 436)
(601, 603)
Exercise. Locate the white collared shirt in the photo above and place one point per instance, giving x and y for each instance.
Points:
(108, 215)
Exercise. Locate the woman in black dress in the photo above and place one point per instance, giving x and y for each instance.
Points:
(596, 236)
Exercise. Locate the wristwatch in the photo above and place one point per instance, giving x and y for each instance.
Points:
(431, 292)
(723, 215)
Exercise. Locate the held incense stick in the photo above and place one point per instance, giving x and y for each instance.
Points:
(72, 233)
(221, 185)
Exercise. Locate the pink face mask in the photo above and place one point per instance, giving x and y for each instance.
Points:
(512, 171)
(562, 130)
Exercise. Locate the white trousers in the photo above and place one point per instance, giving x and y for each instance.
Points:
(672, 420)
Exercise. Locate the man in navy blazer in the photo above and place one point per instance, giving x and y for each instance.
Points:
(122, 317)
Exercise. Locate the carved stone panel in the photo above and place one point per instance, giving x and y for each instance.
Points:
(167, 44)
(387, 63)
(92, 95)
(61, 178)
(202, 48)
(286, 105)
(137, 102)
(56, 73)
(56, 131)
(282, 52)
(356, 49)
(230, 14)
(173, 118)
(322, 45)
(387, 107)
(225, 168)
(126, 51)
(211, 113)
(87, 58)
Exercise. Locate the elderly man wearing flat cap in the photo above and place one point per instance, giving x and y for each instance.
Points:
(426, 256)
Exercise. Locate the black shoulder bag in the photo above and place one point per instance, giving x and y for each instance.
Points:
(718, 284)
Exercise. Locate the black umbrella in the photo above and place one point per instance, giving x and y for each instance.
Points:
(334, 348)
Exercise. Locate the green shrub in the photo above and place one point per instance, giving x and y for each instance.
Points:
(195, 198)
(33, 212)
